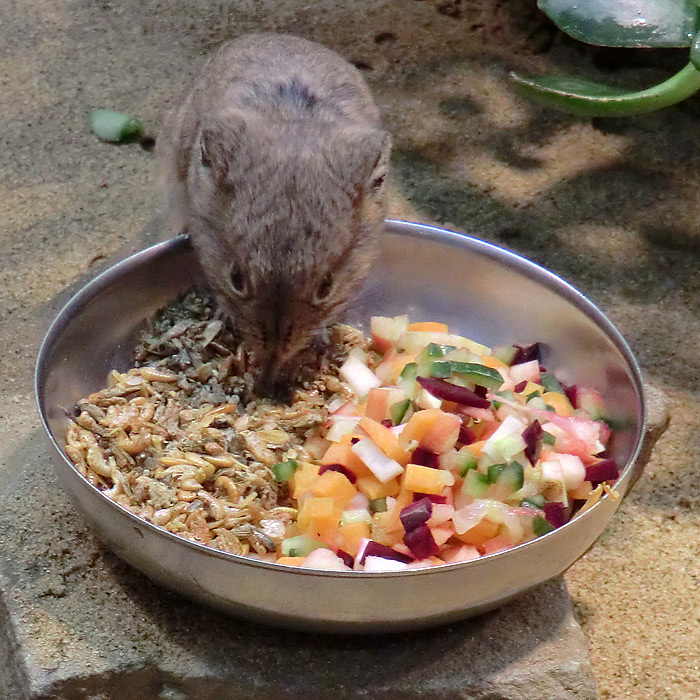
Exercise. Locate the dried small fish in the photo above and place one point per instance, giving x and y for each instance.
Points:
(181, 440)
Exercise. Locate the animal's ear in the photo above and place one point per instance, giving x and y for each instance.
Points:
(365, 159)
(221, 139)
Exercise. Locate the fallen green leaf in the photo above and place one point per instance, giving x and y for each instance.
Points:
(588, 98)
(114, 127)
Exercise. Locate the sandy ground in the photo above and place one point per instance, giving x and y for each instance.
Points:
(611, 206)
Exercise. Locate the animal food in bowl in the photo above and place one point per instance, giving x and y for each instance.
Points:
(415, 449)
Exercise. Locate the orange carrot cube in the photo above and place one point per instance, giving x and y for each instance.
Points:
(387, 529)
(303, 478)
(531, 387)
(482, 531)
(352, 535)
(319, 517)
(492, 362)
(291, 561)
(334, 485)
(419, 479)
(442, 533)
(341, 453)
(428, 327)
(433, 429)
(385, 440)
(475, 447)
(558, 402)
(496, 544)
(373, 488)
(377, 407)
(465, 552)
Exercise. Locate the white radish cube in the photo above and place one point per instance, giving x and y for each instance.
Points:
(572, 471)
(507, 441)
(464, 553)
(359, 376)
(525, 372)
(358, 501)
(425, 399)
(442, 512)
(379, 564)
(551, 471)
(342, 425)
(325, 559)
(383, 467)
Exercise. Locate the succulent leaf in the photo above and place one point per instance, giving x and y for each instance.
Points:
(588, 98)
(626, 23)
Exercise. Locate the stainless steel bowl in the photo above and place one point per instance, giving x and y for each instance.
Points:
(481, 291)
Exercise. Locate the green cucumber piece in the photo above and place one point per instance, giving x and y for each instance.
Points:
(478, 374)
(550, 382)
(507, 394)
(536, 501)
(541, 526)
(504, 353)
(378, 505)
(510, 475)
(468, 461)
(409, 372)
(407, 380)
(284, 471)
(548, 438)
(398, 411)
(432, 351)
(438, 368)
(494, 471)
(299, 546)
(475, 483)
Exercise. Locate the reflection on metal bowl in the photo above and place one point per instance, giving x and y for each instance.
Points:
(481, 291)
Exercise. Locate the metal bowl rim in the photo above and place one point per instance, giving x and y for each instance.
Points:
(432, 233)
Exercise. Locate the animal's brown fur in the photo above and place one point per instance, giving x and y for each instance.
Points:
(274, 162)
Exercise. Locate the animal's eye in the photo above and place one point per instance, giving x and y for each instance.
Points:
(239, 283)
(324, 289)
(377, 183)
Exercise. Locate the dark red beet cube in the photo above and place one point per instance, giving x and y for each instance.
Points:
(605, 470)
(421, 543)
(338, 468)
(425, 458)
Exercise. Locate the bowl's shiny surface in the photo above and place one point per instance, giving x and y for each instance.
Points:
(481, 291)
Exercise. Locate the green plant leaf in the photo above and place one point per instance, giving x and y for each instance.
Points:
(588, 98)
(626, 23)
(695, 50)
(114, 127)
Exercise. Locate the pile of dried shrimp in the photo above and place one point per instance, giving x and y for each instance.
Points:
(181, 441)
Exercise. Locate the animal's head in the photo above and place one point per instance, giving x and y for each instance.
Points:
(285, 223)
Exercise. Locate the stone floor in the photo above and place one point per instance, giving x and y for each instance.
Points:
(610, 206)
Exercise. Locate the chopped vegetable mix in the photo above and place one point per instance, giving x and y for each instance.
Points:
(415, 449)
(448, 451)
